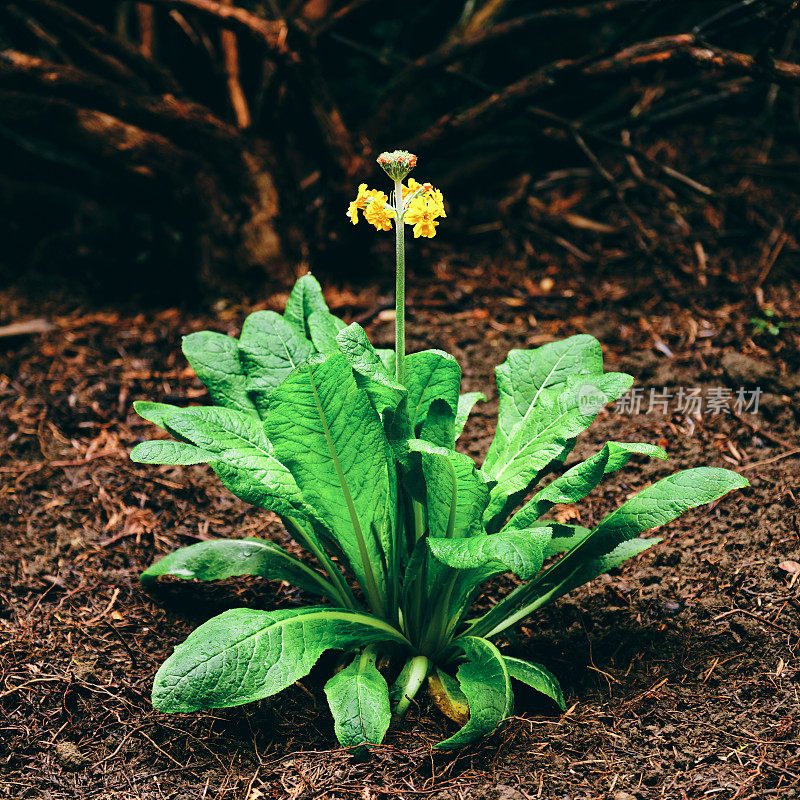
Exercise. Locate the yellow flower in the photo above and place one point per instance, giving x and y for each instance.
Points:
(359, 202)
(424, 209)
(377, 213)
(410, 189)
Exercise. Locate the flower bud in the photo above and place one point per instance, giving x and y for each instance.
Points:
(397, 164)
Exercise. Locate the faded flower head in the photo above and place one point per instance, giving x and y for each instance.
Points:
(397, 164)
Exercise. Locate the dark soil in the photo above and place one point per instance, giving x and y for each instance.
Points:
(681, 672)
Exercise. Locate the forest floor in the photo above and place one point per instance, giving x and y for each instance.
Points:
(681, 672)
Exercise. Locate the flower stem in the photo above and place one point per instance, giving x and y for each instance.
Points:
(400, 287)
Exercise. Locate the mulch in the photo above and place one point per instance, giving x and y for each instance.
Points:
(681, 671)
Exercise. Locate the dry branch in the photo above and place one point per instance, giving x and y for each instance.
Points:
(644, 55)
(455, 49)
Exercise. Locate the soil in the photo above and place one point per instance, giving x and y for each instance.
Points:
(681, 671)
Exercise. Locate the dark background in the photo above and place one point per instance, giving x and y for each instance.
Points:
(169, 147)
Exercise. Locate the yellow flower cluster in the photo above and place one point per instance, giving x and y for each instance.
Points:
(423, 209)
(374, 205)
(423, 205)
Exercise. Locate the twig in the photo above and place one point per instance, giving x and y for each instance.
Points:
(270, 33)
(759, 431)
(145, 18)
(56, 464)
(82, 31)
(764, 620)
(771, 460)
(38, 325)
(338, 15)
(769, 255)
(642, 234)
(230, 50)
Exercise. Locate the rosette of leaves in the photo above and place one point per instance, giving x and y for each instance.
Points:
(401, 528)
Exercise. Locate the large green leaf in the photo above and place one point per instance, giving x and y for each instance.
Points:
(371, 373)
(243, 457)
(166, 451)
(215, 359)
(466, 402)
(523, 376)
(439, 426)
(224, 558)
(485, 682)
(545, 435)
(537, 677)
(324, 328)
(520, 552)
(457, 492)
(430, 375)
(565, 537)
(358, 697)
(609, 545)
(579, 480)
(154, 412)
(326, 431)
(244, 654)
(270, 348)
(306, 298)
(660, 503)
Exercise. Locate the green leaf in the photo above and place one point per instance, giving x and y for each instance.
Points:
(324, 328)
(620, 554)
(545, 435)
(244, 655)
(166, 451)
(593, 567)
(565, 537)
(371, 373)
(457, 492)
(225, 558)
(520, 552)
(537, 677)
(485, 681)
(306, 298)
(466, 402)
(154, 412)
(430, 375)
(660, 503)
(270, 348)
(614, 540)
(388, 359)
(579, 480)
(358, 697)
(324, 428)
(243, 457)
(525, 374)
(215, 359)
(439, 425)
